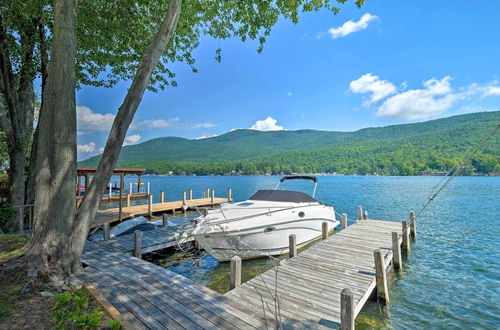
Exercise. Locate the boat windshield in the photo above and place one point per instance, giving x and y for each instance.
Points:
(282, 196)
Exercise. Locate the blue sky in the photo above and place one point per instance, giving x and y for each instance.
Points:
(389, 62)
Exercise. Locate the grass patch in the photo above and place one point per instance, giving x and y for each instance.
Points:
(12, 246)
(74, 310)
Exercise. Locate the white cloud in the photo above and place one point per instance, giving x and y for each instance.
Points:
(205, 136)
(200, 125)
(101, 150)
(86, 148)
(289, 93)
(491, 90)
(268, 124)
(90, 121)
(369, 83)
(352, 26)
(436, 97)
(131, 139)
(155, 123)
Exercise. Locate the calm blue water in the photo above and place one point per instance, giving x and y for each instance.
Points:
(452, 277)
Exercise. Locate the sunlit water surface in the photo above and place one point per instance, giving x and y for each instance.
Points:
(452, 276)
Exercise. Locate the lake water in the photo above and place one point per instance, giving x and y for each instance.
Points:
(452, 276)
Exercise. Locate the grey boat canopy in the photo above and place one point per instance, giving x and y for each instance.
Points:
(299, 177)
(282, 196)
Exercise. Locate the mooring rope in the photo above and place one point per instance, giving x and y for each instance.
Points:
(455, 170)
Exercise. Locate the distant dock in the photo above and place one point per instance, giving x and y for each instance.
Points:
(150, 209)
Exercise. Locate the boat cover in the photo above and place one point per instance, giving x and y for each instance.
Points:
(282, 196)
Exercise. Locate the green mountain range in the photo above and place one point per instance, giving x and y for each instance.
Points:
(393, 150)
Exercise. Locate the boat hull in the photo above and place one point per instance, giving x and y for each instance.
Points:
(265, 234)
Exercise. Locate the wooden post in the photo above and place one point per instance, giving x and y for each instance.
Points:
(183, 198)
(365, 215)
(120, 206)
(87, 182)
(205, 213)
(405, 232)
(347, 313)
(292, 246)
(396, 251)
(360, 212)
(138, 244)
(149, 187)
(110, 190)
(229, 195)
(381, 277)
(130, 188)
(165, 220)
(78, 181)
(150, 205)
(235, 277)
(20, 220)
(138, 184)
(128, 200)
(413, 225)
(190, 194)
(207, 194)
(212, 196)
(162, 196)
(344, 220)
(106, 231)
(324, 230)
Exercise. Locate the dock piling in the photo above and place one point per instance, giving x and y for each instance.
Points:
(150, 206)
(190, 194)
(229, 195)
(405, 232)
(205, 212)
(138, 244)
(396, 251)
(127, 198)
(212, 196)
(365, 215)
(292, 246)
(381, 277)
(165, 220)
(413, 225)
(324, 230)
(360, 212)
(106, 231)
(347, 313)
(235, 277)
(162, 196)
(344, 220)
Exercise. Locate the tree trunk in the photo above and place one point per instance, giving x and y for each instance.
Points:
(151, 57)
(49, 251)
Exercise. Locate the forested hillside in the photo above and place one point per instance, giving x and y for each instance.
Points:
(393, 150)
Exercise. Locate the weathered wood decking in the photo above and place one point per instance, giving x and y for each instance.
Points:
(111, 215)
(150, 297)
(308, 286)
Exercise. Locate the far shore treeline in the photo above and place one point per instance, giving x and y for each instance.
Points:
(432, 146)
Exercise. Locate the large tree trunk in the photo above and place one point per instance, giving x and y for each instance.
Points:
(126, 112)
(49, 250)
(16, 111)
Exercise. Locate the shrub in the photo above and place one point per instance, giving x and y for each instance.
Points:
(6, 216)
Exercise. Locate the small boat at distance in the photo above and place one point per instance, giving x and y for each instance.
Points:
(261, 225)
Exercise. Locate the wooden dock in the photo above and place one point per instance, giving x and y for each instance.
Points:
(309, 285)
(129, 212)
(323, 286)
(141, 295)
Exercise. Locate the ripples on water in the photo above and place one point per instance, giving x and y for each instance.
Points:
(452, 276)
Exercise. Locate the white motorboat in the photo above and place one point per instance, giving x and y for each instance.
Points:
(261, 225)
